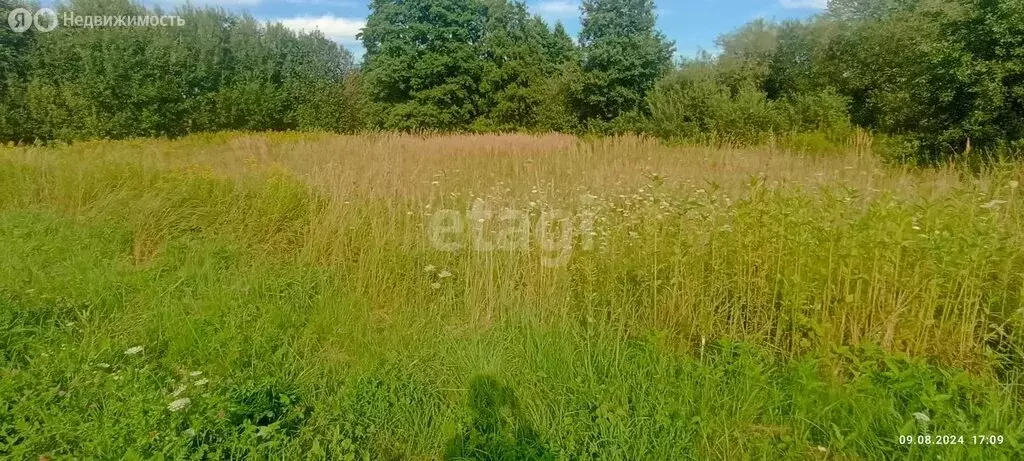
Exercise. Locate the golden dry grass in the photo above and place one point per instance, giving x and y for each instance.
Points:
(724, 303)
(790, 250)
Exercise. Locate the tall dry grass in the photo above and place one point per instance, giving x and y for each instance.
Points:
(726, 303)
(695, 244)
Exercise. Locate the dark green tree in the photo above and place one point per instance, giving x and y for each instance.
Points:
(218, 71)
(14, 61)
(559, 46)
(800, 62)
(515, 65)
(623, 57)
(944, 75)
(747, 54)
(423, 62)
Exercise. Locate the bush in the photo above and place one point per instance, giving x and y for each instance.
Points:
(695, 104)
(555, 112)
(684, 104)
(824, 111)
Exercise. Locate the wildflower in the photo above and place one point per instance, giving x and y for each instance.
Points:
(178, 391)
(103, 365)
(189, 432)
(921, 417)
(133, 350)
(1014, 184)
(201, 382)
(195, 373)
(993, 204)
(429, 268)
(179, 404)
(435, 285)
(444, 274)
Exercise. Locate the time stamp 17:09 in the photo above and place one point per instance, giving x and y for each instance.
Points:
(928, 439)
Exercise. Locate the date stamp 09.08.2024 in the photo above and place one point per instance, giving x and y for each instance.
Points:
(951, 439)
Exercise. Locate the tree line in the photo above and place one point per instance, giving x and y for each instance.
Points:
(219, 71)
(936, 77)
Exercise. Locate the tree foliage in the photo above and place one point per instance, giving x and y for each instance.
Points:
(942, 77)
(422, 64)
(623, 56)
(218, 71)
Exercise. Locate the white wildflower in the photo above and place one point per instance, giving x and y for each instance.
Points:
(178, 391)
(195, 373)
(103, 365)
(179, 404)
(1014, 184)
(921, 417)
(201, 382)
(444, 274)
(993, 204)
(435, 285)
(189, 432)
(429, 268)
(133, 350)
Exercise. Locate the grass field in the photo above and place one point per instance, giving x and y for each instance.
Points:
(504, 297)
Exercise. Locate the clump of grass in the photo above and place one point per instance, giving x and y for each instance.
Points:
(729, 303)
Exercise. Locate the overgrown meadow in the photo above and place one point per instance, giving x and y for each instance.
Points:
(289, 296)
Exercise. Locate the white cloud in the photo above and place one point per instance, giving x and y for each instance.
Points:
(813, 4)
(557, 8)
(340, 29)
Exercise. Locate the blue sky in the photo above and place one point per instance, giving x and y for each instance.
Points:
(693, 24)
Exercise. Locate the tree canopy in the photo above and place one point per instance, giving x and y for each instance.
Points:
(937, 76)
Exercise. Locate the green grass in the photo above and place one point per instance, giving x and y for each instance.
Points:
(771, 314)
